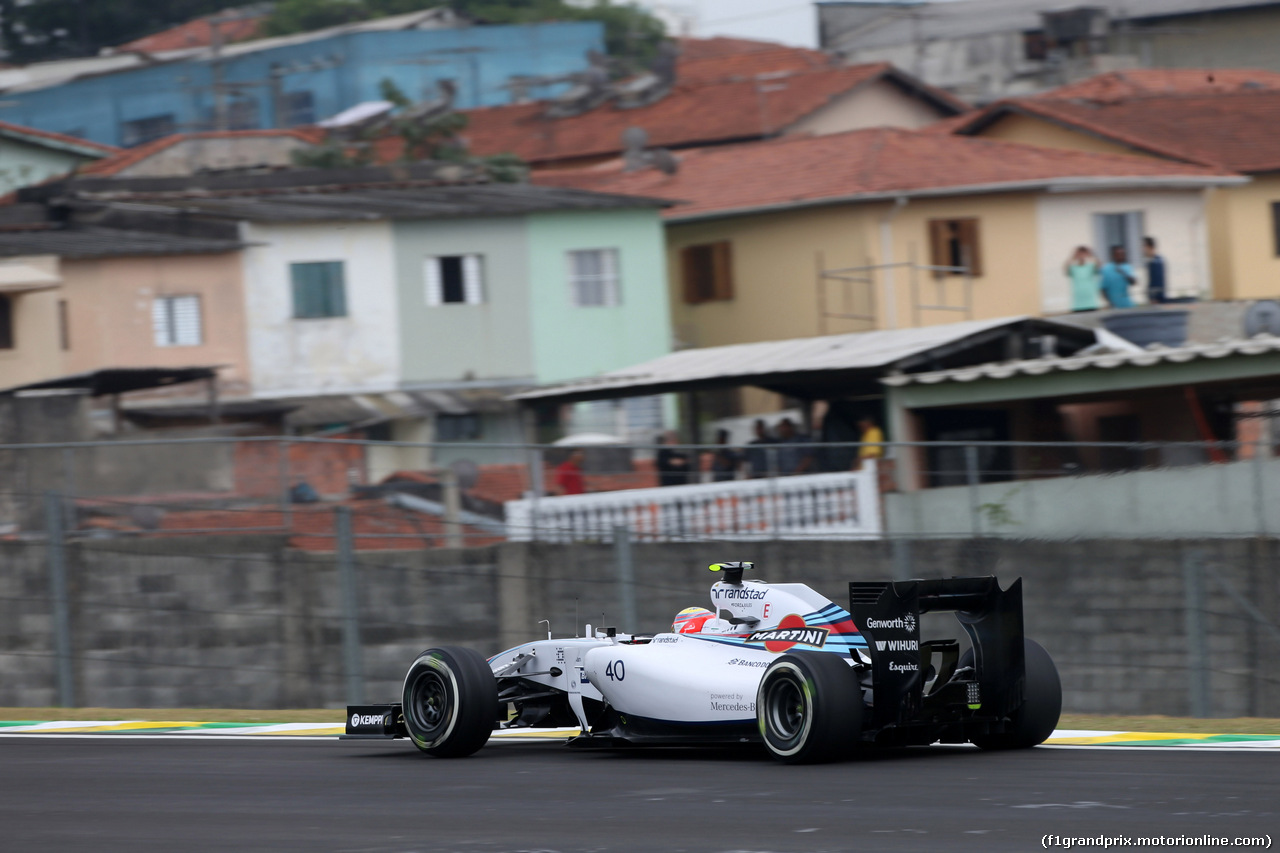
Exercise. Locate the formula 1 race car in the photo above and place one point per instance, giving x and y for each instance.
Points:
(777, 664)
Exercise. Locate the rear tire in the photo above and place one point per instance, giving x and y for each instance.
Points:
(1032, 723)
(449, 699)
(809, 708)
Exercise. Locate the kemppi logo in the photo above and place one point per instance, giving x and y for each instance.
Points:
(367, 720)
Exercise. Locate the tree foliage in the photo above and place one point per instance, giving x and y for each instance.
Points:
(630, 33)
(431, 138)
(38, 30)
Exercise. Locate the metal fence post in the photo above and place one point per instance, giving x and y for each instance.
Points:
(1197, 637)
(626, 576)
(351, 657)
(452, 508)
(537, 488)
(971, 476)
(286, 490)
(1260, 487)
(58, 593)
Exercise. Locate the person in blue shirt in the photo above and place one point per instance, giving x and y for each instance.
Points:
(1155, 272)
(1117, 275)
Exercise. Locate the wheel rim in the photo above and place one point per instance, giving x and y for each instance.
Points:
(431, 703)
(786, 709)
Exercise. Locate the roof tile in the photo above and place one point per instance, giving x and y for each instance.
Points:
(1230, 130)
(882, 161)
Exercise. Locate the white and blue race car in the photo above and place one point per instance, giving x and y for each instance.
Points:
(777, 664)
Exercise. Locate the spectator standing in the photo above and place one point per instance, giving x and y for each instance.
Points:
(757, 454)
(672, 465)
(1082, 269)
(725, 462)
(792, 460)
(872, 440)
(568, 478)
(1155, 272)
(1117, 276)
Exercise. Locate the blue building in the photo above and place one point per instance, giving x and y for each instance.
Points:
(291, 80)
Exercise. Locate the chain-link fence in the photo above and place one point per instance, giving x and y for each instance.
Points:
(311, 572)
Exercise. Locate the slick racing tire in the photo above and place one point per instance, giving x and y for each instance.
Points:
(1031, 724)
(809, 708)
(448, 702)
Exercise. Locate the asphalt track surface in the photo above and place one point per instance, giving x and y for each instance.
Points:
(134, 794)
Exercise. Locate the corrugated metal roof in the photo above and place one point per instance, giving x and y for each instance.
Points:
(339, 204)
(775, 361)
(77, 243)
(1149, 357)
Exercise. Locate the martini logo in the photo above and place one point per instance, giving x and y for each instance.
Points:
(791, 631)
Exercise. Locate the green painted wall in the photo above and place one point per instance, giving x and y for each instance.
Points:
(449, 343)
(22, 165)
(571, 342)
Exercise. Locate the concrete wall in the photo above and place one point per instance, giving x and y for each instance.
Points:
(877, 104)
(1176, 218)
(22, 165)
(480, 59)
(459, 342)
(37, 352)
(227, 622)
(1234, 499)
(1243, 231)
(109, 304)
(205, 153)
(776, 258)
(570, 342)
(332, 355)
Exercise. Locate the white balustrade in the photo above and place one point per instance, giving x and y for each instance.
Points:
(844, 505)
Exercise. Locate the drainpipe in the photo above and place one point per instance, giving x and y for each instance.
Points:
(886, 262)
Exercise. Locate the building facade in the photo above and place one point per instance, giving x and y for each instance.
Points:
(131, 99)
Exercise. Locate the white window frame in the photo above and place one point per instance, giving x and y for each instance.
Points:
(472, 280)
(595, 290)
(177, 320)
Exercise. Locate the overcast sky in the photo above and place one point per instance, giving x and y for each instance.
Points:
(787, 21)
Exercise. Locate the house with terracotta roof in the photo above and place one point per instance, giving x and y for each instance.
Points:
(724, 91)
(405, 301)
(29, 156)
(887, 228)
(1226, 120)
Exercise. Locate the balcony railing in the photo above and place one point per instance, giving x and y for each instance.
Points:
(842, 505)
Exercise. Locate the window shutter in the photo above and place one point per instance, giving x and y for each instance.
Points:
(472, 282)
(160, 321)
(432, 281)
(609, 274)
(186, 320)
(969, 239)
(337, 290)
(721, 261)
(689, 274)
(938, 254)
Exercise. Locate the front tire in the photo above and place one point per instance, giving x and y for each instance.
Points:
(449, 699)
(1032, 723)
(809, 708)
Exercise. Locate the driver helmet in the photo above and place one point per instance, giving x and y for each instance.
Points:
(691, 619)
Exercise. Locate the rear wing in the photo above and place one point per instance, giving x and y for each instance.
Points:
(888, 615)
